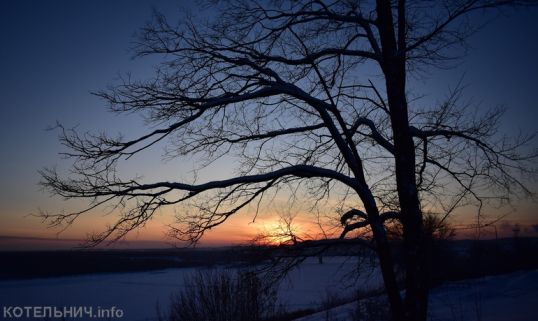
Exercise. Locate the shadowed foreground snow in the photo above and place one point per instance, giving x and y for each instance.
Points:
(510, 297)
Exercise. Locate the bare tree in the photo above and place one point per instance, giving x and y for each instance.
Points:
(282, 87)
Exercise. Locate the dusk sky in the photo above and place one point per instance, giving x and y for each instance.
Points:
(55, 53)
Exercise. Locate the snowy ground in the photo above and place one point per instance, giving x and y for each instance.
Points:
(139, 294)
(510, 297)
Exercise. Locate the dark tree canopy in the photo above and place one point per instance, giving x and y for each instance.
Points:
(286, 88)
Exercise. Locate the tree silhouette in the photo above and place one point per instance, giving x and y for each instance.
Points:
(282, 87)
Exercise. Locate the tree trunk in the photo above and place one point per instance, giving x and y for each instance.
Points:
(416, 298)
(386, 264)
(393, 64)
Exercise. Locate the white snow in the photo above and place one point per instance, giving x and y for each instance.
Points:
(510, 297)
(312, 283)
(138, 294)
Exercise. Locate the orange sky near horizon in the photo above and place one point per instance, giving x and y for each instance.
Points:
(29, 233)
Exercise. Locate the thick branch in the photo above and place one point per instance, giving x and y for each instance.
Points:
(365, 222)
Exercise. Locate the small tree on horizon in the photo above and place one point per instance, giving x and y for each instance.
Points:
(281, 87)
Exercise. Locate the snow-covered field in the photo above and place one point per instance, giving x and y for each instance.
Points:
(509, 297)
(139, 294)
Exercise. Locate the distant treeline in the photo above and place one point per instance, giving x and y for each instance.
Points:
(450, 259)
(36, 264)
(456, 260)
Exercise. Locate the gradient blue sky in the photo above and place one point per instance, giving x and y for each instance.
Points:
(54, 53)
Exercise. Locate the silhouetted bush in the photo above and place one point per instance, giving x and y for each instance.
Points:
(374, 309)
(224, 296)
